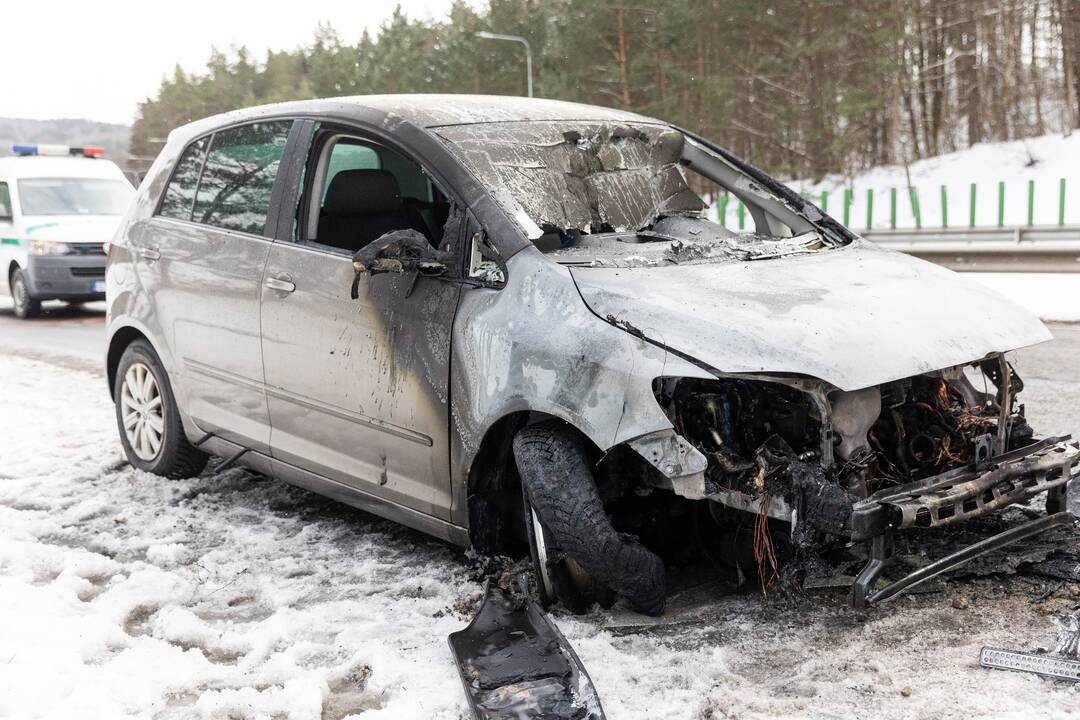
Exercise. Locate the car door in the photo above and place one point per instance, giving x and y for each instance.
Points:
(201, 261)
(358, 386)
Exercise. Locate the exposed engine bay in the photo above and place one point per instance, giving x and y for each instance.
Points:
(826, 467)
(866, 439)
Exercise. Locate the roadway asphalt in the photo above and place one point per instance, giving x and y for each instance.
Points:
(63, 331)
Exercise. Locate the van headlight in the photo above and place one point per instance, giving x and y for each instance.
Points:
(49, 247)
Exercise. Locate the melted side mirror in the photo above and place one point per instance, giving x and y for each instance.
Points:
(399, 252)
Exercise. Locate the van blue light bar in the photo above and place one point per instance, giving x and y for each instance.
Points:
(59, 150)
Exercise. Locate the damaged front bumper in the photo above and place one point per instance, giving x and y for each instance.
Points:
(1051, 466)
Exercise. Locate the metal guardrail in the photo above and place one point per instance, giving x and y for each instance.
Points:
(1051, 249)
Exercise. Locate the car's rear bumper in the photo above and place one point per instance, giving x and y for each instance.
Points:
(66, 277)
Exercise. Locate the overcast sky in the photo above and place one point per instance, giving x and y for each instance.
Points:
(97, 60)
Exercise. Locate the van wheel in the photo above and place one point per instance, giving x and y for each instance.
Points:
(146, 415)
(26, 307)
(577, 553)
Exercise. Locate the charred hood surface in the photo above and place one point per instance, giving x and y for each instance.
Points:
(854, 317)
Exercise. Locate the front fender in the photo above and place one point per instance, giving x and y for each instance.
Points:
(534, 346)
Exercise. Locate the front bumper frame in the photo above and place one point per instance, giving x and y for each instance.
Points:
(1051, 465)
(65, 277)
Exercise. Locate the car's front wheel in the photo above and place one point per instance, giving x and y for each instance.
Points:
(26, 307)
(578, 555)
(146, 414)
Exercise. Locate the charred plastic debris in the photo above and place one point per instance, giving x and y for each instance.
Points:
(514, 662)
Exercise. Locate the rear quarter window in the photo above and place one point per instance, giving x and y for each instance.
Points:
(180, 192)
(238, 176)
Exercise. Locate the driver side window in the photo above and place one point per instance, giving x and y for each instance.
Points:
(360, 190)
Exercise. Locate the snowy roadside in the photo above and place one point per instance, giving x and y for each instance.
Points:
(229, 596)
(234, 596)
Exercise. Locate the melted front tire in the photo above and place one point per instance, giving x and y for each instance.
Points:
(576, 551)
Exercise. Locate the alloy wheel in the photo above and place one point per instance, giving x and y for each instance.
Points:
(142, 411)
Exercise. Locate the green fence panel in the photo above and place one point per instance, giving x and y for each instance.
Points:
(914, 193)
(723, 209)
(1031, 203)
(824, 201)
(1061, 202)
(848, 194)
(741, 212)
(1001, 204)
(892, 208)
(971, 207)
(869, 209)
(944, 208)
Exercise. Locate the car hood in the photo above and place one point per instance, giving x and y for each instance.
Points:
(71, 228)
(855, 317)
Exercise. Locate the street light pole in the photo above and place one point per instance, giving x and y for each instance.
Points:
(518, 39)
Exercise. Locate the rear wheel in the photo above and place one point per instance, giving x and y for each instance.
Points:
(580, 558)
(26, 307)
(146, 414)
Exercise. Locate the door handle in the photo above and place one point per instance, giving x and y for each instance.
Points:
(148, 253)
(281, 283)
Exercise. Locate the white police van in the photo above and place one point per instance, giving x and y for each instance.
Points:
(59, 207)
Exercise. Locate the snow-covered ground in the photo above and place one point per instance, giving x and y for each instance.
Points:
(1050, 296)
(235, 596)
(1046, 160)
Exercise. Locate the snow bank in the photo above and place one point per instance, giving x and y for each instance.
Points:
(1046, 160)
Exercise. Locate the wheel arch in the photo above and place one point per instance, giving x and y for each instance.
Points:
(119, 342)
(493, 486)
(124, 335)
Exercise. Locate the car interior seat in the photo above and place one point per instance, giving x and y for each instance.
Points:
(362, 205)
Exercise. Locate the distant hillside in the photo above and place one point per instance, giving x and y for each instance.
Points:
(114, 138)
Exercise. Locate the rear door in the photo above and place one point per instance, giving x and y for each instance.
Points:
(202, 260)
(358, 388)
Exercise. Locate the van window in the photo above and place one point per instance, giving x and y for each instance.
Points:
(234, 192)
(5, 202)
(74, 196)
(180, 194)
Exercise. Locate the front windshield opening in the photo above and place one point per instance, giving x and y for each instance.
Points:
(599, 193)
(74, 196)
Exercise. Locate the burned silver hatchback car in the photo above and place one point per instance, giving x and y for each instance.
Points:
(512, 324)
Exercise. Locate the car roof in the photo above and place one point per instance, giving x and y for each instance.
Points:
(441, 110)
(422, 110)
(47, 166)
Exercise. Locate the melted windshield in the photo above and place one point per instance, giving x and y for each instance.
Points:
(74, 196)
(590, 179)
(626, 195)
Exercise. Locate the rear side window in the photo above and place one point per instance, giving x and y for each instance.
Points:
(180, 194)
(5, 202)
(234, 192)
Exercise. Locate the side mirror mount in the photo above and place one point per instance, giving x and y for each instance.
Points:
(482, 265)
(399, 252)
